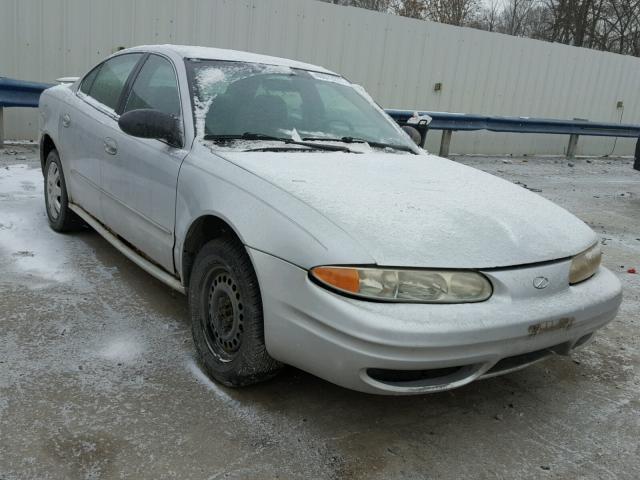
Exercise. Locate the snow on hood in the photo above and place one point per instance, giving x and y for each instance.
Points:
(425, 211)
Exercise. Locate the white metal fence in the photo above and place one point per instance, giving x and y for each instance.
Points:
(398, 60)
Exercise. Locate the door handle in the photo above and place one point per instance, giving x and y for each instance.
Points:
(110, 146)
(66, 120)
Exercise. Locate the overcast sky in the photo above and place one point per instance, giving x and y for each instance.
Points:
(499, 2)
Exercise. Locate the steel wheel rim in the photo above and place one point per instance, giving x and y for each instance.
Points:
(54, 190)
(223, 322)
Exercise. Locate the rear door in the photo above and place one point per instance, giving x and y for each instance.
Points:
(86, 122)
(139, 180)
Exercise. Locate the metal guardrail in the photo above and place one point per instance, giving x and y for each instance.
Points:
(18, 93)
(451, 122)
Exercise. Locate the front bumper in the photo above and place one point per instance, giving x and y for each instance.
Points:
(391, 348)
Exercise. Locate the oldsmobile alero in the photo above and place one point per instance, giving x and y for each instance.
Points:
(307, 228)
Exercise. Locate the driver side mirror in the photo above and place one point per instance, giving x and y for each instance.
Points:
(149, 123)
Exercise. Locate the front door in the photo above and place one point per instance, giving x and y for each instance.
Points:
(140, 176)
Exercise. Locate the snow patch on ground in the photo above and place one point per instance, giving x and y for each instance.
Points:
(209, 384)
(30, 143)
(125, 349)
(14, 178)
(241, 409)
(27, 244)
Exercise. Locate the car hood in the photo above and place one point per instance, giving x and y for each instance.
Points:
(423, 210)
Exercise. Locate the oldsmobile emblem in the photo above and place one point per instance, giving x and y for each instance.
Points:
(541, 282)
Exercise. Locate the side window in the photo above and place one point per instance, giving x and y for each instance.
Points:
(87, 82)
(110, 79)
(155, 87)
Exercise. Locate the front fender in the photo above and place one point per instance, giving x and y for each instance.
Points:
(264, 216)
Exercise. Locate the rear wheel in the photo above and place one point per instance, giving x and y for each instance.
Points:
(61, 218)
(226, 315)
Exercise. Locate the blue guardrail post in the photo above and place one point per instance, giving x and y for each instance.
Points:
(1, 127)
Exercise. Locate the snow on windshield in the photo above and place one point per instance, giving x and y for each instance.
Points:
(210, 82)
(234, 98)
(205, 80)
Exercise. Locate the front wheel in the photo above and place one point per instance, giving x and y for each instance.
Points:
(226, 315)
(61, 218)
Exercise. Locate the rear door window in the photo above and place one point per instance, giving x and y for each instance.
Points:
(110, 78)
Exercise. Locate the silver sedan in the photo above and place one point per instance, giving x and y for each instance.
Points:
(307, 228)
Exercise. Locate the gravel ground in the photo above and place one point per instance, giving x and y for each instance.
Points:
(97, 378)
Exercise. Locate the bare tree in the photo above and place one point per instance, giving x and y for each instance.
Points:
(622, 26)
(574, 22)
(410, 8)
(489, 16)
(379, 5)
(516, 18)
(453, 12)
(610, 25)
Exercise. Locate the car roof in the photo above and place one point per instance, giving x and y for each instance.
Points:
(210, 53)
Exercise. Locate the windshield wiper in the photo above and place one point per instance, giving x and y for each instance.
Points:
(360, 140)
(341, 139)
(288, 141)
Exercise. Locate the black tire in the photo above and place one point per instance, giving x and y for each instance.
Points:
(61, 218)
(226, 315)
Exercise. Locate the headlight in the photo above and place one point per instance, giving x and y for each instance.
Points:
(412, 286)
(585, 264)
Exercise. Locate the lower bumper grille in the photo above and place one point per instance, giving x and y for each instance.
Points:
(449, 377)
(518, 361)
(405, 376)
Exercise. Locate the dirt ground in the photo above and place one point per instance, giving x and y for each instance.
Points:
(98, 381)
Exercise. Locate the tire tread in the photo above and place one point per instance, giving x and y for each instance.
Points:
(67, 220)
(253, 363)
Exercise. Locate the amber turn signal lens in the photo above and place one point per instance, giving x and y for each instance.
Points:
(346, 279)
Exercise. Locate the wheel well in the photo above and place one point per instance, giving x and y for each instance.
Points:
(201, 231)
(46, 145)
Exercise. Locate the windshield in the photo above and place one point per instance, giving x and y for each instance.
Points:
(232, 99)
